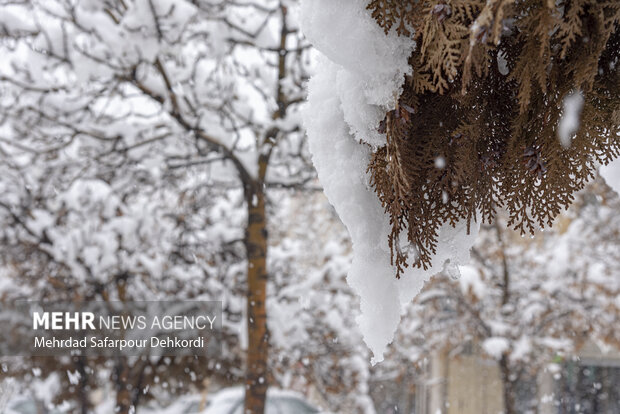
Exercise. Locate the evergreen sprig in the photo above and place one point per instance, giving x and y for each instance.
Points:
(483, 106)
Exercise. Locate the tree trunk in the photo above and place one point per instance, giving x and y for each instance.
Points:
(123, 394)
(507, 382)
(258, 337)
(508, 386)
(123, 402)
(83, 386)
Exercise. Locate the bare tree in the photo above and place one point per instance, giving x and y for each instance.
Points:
(117, 104)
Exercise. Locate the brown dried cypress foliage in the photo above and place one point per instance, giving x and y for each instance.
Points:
(476, 126)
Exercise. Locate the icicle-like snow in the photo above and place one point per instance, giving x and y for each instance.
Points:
(358, 79)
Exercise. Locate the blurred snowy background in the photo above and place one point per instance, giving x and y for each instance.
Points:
(140, 141)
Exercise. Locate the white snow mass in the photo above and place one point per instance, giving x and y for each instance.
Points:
(359, 78)
(569, 123)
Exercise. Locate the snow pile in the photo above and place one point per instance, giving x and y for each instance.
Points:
(569, 123)
(370, 65)
(359, 78)
(471, 281)
(496, 346)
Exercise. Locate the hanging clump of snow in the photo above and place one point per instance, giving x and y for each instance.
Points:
(569, 123)
(358, 80)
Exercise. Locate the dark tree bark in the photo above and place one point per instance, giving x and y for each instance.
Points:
(121, 381)
(508, 386)
(258, 335)
(83, 386)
